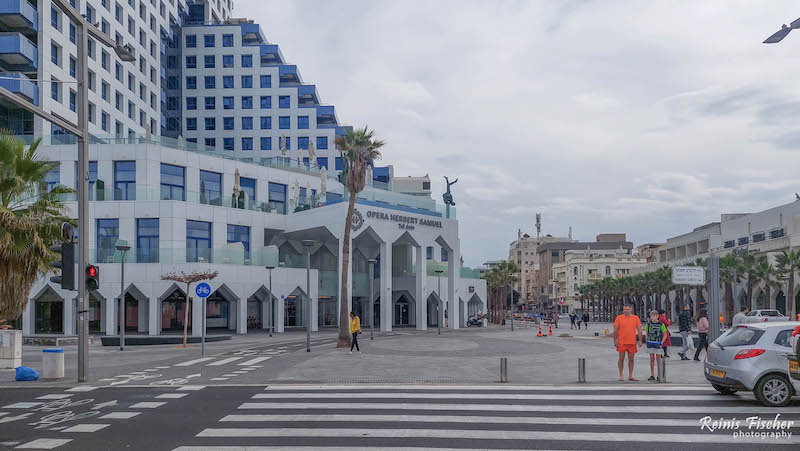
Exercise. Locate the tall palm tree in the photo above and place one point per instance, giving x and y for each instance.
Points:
(788, 263)
(748, 264)
(765, 273)
(729, 275)
(359, 149)
(30, 222)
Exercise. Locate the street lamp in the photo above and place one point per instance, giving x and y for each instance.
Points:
(123, 247)
(780, 34)
(307, 244)
(439, 315)
(371, 262)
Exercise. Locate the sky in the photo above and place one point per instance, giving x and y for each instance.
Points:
(647, 118)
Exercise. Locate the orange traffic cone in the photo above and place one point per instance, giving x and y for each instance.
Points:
(540, 331)
(551, 330)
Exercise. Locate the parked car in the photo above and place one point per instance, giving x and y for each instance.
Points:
(794, 360)
(760, 316)
(753, 357)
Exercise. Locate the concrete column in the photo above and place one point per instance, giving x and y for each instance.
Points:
(153, 316)
(70, 327)
(314, 294)
(280, 307)
(420, 300)
(28, 325)
(241, 316)
(453, 273)
(141, 321)
(111, 315)
(386, 287)
(197, 316)
(265, 314)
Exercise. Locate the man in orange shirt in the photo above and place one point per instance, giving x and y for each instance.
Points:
(627, 336)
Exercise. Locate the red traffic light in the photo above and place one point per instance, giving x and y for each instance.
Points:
(92, 271)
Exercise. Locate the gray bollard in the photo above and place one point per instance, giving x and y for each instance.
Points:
(662, 370)
(503, 369)
(581, 369)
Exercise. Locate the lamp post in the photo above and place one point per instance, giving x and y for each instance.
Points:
(439, 315)
(511, 291)
(371, 262)
(123, 247)
(307, 244)
(271, 304)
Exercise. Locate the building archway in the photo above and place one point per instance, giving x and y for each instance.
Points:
(434, 314)
(136, 310)
(474, 306)
(404, 310)
(780, 302)
(760, 300)
(48, 309)
(173, 310)
(294, 309)
(221, 309)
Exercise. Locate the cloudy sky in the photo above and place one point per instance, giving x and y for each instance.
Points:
(648, 118)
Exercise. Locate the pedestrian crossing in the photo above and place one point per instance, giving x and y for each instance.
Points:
(625, 416)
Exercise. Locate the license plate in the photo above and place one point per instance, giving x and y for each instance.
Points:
(716, 373)
(794, 366)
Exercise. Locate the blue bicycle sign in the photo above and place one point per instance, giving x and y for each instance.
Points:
(203, 290)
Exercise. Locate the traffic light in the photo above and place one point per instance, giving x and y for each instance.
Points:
(67, 265)
(92, 277)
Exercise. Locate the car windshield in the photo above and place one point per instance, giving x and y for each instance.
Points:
(753, 313)
(770, 313)
(740, 336)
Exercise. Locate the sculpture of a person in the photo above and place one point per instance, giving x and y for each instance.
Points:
(448, 197)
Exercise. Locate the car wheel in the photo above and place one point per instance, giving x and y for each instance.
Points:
(723, 389)
(773, 390)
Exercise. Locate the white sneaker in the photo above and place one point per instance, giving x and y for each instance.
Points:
(351, 353)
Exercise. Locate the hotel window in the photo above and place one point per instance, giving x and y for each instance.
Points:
(284, 102)
(247, 123)
(54, 17)
(247, 143)
(429, 252)
(211, 103)
(247, 81)
(198, 241)
(302, 142)
(247, 60)
(191, 82)
(147, 240)
(338, 163)
(227, 81)
(445, 255)
(173, 182)
(323, 162)
(227, 123)
(191, 41)
(743, 241)
(247, 102)
(73, 64)
(107, 236)
(266, 143)
(322, 142)
(266, 102)
(211, 123)
(54, 53)
(277, 197)
(191, 103)
(104, 59)
(227, 40)
(302, 122)
(208, 40)
(211, 142)
(266, 81)
(283, 123)
(608, 270)
(210, 188)
(209, 61)
(227, 103)
(776, 233)
(104, 121)
(124, 180)
(240, 234)
(73, 99)
(53, 177)
(72, 33)
(227, 61)
(248, 185)
(266, 123)
(191, 124)
(191, 62)
(228, 144)
(210, 82)
(759, 237)
(287, 143)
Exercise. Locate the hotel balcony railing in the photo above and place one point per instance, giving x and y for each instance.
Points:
(19, 14)
(20, 84)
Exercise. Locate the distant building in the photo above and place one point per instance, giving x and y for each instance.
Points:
(649, 251)
(523, 252)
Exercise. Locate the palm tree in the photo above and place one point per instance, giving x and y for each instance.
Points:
(492, 286)
(763, 272)
(788, 263)
(748, 264)
(729, 275)
(359, 150)
(507, 275)
(30, 222)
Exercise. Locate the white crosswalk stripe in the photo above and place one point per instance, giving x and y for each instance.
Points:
(224, 361)
(626, 416)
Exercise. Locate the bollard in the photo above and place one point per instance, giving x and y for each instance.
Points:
(662, 370)
(503, 369)
(581, 369)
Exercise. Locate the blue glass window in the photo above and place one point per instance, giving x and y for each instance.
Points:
(210, 61)
(210, 81)
(227, 123)
(247, 102)
(287, 143)
(198, 241)
(248, 185)
(429, 252)
(208, 40)
(227, 81)
(211, 123)
(266, 143)
(338, 163)
(227, 144)
(53, 177)
(247, 123)
(302, 142)
(211, 103)
(266, 81)
(323, 162)
(191, 82)
(227, 103)
(191, 103)
(107, 236)
(73, 64)
(54, 54)
(240, 234)
(191, 123)
(283, 123)
(266, 102)
(191, 62)
(54, 17)
(303, 194)
(73, 99)
(210, 142)
(322, 142)
(191, 41)
(266, 123)
(277, 197)
(284, 102)
(210, 188)
(247, 81)
(445, 255)
(247, 143)
(173, 182)
(227, 61)
(147, 240)
(302, 122)
(247, 60)
(227, 40)
(124, 180)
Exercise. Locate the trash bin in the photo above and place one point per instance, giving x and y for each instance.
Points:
(53, 363)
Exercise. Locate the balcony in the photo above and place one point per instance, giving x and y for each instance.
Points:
(20, 85)
(271, 55)
(18, 52)
(326, 115)
(307, 95)
(289, 75)
(19, 15)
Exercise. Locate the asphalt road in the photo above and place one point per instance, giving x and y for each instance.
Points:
(372, 416)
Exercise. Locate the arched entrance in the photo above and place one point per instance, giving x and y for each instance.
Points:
(218, 312)
(173, 311)
(780, 302)
(761, 300)
(95, 313)
(294, 309)
(49, 312)
(433, 310)
(474, 305)
(403, 315)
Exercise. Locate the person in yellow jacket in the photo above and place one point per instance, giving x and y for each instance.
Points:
(355, 329)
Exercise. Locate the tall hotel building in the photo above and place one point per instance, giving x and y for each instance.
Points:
(206, 151)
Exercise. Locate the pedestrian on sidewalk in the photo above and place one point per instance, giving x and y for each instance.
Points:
(627, 336)
(656, 333)
(685, 328)
(662, 317)
(585, 320)
(572, 319)
(355, 329)
(739, 317)
(702, 330)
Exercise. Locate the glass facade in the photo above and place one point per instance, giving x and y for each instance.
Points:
(173, 182)
(198, 241)
(210, 188)
(124, 180)
(107, 236)
(147, 240)
(277, 197)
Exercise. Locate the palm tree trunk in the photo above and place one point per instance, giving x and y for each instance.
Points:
(790, 310)
(729, 301)
(185, 314)
(344, 323)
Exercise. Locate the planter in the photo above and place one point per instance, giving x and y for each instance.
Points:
(10, 348)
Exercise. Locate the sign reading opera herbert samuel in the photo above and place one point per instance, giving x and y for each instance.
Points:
(404, 222)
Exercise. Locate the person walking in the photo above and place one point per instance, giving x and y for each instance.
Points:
(627, 336)
(572, 319)
(702, 330)
(685, 328)
(585, 320)
(662, 318)
(355, 329)
(739, 317)
(655, 332)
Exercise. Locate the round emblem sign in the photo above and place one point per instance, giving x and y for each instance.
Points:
(358, 220)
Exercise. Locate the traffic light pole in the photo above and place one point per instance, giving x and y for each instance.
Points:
(83, 198)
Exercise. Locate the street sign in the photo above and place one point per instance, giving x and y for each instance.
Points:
(688, 275)
(203, 290)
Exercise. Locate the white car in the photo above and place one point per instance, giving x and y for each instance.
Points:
(760, 316)
(794, 360)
